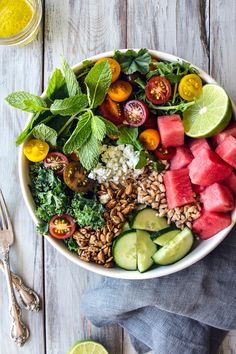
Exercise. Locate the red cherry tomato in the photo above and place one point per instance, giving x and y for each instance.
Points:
(112, 111)
(56, 161)
(136, 113)
(158, 90)
(164, 153)
(62, 226)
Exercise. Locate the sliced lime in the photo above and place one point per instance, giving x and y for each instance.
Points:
(87, 347)
(209, 115)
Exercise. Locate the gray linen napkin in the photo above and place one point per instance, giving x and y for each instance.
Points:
(188, 312)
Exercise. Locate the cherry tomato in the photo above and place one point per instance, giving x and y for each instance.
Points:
(158, 90)
(151, 122)
(152, 65)
(74, 156)
(76, 179)
(190, 86)
(120, 91)
(112, 111)
(115, 67)
(62, 226)
(36, 150)
(136, 113)
(150, 139)
(164, 153)
(56, 161)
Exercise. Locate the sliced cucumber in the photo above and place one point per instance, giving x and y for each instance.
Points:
(147, 219)
(166, 235)
(125, 250)
(145, 250)
(125, 227)
(176, 249)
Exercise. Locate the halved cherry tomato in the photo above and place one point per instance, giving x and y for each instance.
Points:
(158, 90)
(120, 91)
(76, 179)
(190, 86)
(62, 226)
(115, 67)
(56, 161)
(152, 65)
(36, 150)
(112, 111)
(136, 113)
(74, 156)
(164, 153)
(150, 139)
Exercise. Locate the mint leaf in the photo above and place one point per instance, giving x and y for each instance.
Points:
(26, 101)
(69, 106)
(70, 78)
(132, 61)
(142, 160)
(45, 133)
(80, 135)
(129, 136)
(55, 84)
(98, 128)
(97, 82)
(89, 153)
(111, 129)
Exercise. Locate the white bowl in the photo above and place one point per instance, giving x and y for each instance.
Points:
(201, 249)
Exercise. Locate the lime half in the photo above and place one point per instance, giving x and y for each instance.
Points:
(210, 113)
(87, 347)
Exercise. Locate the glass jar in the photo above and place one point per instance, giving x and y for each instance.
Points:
(29, 32)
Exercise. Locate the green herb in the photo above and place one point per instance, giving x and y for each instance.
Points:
(129, 136)
(69, 106)
(86, 68)
(72, 84)
(181, 107)
(71, 244)
(42, 228)
(45, 133)
(132, 61)
(26, 102)
(87, 211)
(111, 129)
(89, 153)
(56, 86)
(157, 166)
(97, 82)
(142, 160)
(98, 128)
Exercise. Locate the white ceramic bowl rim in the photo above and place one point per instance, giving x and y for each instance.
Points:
(203, 249)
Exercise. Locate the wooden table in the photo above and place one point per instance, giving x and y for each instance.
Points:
(202, 31)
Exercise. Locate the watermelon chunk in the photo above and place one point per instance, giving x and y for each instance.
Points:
(227, 150)
(181, 158)
(230, 182)
(171, 130)
(219, 138)
(208, 168)
(217, 198)
(178, 188)
(210, 223)
(198, 189)
(196, 145)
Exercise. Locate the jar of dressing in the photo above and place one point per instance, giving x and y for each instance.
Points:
(19, 21)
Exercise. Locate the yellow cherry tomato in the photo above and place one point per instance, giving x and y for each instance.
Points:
(120, 91)
(36, 150)
(190, 86)
(150, 139)
(115, 67)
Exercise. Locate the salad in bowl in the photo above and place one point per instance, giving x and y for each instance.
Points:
(127, 162)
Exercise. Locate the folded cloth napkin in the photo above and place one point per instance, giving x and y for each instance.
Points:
(188, 312)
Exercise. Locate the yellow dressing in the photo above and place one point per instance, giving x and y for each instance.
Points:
(14, 16)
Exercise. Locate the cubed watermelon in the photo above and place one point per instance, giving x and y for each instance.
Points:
(198, 189)
(178, 188)
(210, 223)
(217, 198)
(171, 130)
(196, 145)
(181, 158)
(227, 150)
(230, 182)
(219, 138)
(208, 168)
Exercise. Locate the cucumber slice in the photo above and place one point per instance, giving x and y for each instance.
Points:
(166, 235)
(145, 250)
(176, 249)
(125, 250)
(147, 219)
(125, 227)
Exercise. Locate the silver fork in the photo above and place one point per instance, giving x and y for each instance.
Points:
(19, 331)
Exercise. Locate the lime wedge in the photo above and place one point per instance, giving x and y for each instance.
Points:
(210, 113)
(87, 347)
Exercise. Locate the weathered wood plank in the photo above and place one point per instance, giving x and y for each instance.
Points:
(26, 254)
(76, 29)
